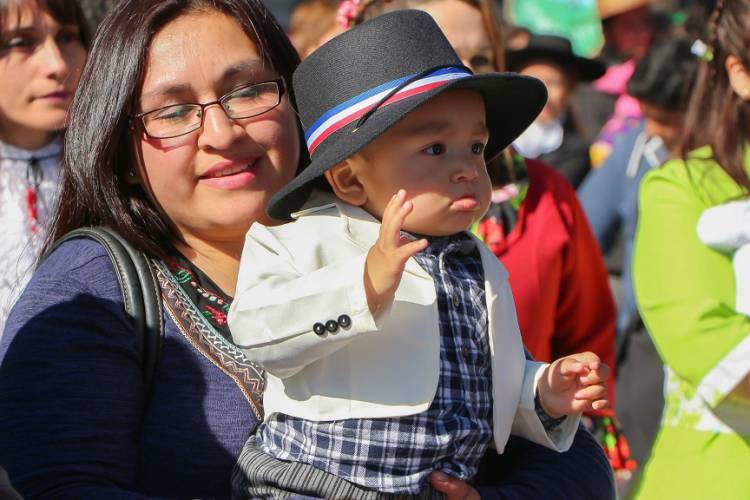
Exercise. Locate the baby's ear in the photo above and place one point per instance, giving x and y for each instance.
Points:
(345, 184)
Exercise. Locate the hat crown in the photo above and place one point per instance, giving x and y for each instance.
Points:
(551, 43)
(384, 49)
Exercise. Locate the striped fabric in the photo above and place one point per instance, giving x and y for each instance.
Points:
(396, 455)
(356, 107)
(258, 475)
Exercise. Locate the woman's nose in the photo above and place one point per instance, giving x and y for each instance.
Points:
(219, 131)
(53, 61)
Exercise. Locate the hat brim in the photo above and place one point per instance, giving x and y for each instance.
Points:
(512, 102)
(586, 70)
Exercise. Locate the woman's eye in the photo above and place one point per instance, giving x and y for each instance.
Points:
(19, 42)
(434, 150)
(479, 62)
(477, 148)
(176, 113)
(246, 93)
(64, 37)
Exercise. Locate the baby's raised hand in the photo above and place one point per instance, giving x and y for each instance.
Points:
(387, 257)
(574, 383)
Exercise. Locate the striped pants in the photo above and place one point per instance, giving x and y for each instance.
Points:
(259, 475)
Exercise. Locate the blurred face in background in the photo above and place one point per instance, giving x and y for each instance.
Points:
(558, 84)
(663, 123)
(630, 33)
(41, 62)
(465, 29)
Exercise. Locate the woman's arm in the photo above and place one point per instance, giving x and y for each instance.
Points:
(526, 470)
(70, 382)
(602, 192)
(685, 290)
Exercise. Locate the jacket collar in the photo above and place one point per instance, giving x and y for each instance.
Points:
(360, 227)
(363, 230)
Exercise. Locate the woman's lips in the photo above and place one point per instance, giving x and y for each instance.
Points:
(61, 95)
(230, 174)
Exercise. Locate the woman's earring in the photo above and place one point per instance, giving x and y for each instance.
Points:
(131, 173)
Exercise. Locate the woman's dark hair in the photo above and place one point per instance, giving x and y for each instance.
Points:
(716, 115)
(63, 11)
(98, 146)
(665, 75)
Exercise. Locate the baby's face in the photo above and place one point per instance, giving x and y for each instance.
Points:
(436, 154)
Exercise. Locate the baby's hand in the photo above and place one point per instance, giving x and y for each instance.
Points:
(574, 383)
(387, 257)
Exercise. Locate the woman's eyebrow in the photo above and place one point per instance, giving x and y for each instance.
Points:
(250, 68)
(166, 89)
(17, 30)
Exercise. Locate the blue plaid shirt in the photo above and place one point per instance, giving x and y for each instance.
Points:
(396, 455)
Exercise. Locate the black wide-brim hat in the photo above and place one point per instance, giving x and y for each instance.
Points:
(556, 49)
(361, 83)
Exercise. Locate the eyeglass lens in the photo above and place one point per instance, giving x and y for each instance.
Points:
(180, 119)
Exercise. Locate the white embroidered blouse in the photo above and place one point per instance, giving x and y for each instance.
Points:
(23, 171)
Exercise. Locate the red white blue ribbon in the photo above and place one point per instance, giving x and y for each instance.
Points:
(354, 108)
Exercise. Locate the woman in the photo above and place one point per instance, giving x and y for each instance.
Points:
(662, 83)
(312, 23)
(554, 137)
(42, 53)
(686, 291)
(535, 224)
(182, 182)
(604, 110)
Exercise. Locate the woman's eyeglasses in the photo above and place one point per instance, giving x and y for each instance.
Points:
(181, 119)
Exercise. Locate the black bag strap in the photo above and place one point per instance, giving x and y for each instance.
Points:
(141, 294)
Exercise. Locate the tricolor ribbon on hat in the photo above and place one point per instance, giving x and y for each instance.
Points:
(356, 107)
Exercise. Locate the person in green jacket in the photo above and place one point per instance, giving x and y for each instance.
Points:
(686, 290)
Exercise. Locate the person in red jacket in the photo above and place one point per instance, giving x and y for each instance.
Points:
(538, 230)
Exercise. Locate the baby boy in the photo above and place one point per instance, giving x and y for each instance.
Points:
(387, 331)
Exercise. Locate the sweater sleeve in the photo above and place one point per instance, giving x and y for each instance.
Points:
(585, 316)
(527, 470)
(70, 382)
(685, 290)
(601, 195)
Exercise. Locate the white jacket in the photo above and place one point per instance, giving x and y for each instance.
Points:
(312, 271)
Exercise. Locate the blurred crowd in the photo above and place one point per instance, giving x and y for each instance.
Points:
(621, 213)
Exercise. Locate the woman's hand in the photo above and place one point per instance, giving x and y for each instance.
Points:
(454, 489)
(573, 384)
(387, 257)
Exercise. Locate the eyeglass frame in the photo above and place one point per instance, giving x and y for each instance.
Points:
(137, 122)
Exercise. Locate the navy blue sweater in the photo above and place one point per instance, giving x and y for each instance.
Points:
(72, 418)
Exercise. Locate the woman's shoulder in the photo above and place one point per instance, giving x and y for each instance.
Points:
(79, 266)
(698, 177)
